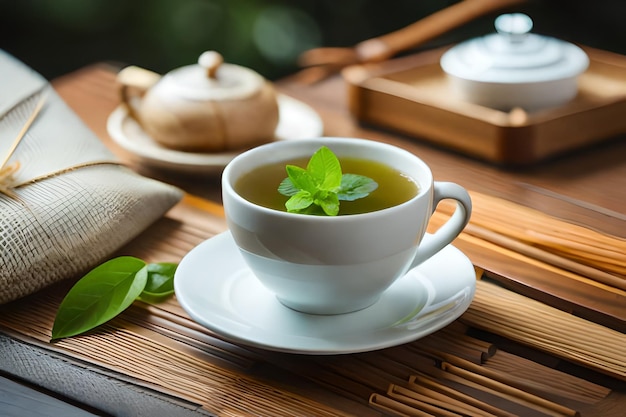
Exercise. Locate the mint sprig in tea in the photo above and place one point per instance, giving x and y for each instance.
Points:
(326, 185)
(322, 185)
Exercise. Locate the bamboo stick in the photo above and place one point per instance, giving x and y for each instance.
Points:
(528, 260)
(205, 345)
(433, 345)
(422, 403)
(487, 381)
(536, 229)
(457, 330)
(503, 394)
(556, 332)
(449, 406)
(520, 372)
(419, 381)
(446, 399)
(568, 263)
(395, 408)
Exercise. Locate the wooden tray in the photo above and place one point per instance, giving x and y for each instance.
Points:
(411, 95)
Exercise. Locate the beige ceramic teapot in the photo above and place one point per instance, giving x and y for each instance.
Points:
(208, 107)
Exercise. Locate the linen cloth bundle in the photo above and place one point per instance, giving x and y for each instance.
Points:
(66, 203)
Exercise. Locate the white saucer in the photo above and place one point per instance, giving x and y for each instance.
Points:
(296, 121)
(215, 287)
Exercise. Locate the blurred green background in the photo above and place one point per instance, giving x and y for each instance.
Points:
(57, 36)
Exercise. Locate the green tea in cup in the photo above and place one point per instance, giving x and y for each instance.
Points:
(259, 186)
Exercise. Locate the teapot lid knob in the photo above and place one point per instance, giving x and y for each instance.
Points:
(210, 61)
(514, 25)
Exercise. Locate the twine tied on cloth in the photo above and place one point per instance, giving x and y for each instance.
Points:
(8, 181)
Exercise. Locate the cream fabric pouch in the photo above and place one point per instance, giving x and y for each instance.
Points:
(66, 202)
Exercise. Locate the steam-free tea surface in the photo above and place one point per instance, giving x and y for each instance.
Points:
(260, 185)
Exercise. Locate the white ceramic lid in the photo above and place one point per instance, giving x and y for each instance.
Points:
(514, 55)
(211, 79)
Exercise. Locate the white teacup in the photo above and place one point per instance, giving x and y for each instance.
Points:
(333, 265)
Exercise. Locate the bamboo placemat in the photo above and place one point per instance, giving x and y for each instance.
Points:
(454, 371)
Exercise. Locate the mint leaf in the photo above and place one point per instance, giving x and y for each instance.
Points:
(355, 186)
(302, 179)
(322, 185)
(99, 296)
(325, 169)
(287, 188)
(160, 283)
(299, 201)
(330, 204)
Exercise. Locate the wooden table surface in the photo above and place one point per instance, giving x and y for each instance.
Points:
(587, 187)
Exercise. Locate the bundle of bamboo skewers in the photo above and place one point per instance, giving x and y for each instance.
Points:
(535, 234)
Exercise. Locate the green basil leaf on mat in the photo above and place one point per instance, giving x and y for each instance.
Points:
(160, 282)
(99, 296)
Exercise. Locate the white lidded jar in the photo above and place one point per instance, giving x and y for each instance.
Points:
(515, 68)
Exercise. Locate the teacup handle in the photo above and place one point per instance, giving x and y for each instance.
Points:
(431, 244)
(134, 82)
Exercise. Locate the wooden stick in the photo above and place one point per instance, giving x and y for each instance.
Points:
(540, 231)
(395, 408)
(509, 390)
(545, 328)
(547, 257)
(514, 381)
(476, 242)
(520, 372)
(456, 329)
(423, 403)
(200, 341)
(513, 399)
(444, 399)
(435, 345)
(440, 407)
(418, 381)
